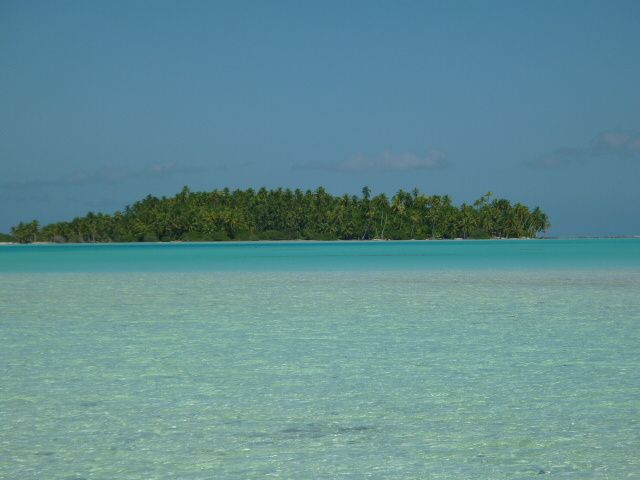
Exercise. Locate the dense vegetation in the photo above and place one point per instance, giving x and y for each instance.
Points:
(285, 214)
(6, 238)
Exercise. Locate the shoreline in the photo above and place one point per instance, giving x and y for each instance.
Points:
(250, 242)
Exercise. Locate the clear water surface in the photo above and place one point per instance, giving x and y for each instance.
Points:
(443, 360)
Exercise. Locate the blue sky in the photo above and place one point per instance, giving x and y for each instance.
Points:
(538, 101)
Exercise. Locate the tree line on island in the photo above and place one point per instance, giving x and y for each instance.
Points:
(284, 214)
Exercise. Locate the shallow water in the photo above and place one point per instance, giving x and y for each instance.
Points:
(117, 364)
(324, 256)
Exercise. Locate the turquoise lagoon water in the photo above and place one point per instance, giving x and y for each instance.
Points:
(443, 360)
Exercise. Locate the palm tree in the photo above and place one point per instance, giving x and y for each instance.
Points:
(312, 214)
(26, 232)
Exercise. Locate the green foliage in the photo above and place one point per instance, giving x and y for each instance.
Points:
(479, 234)
(312, 235)
(283, 214)
(204, 236)
(6, 238)
(150, 237)
(245, 236)
(277, 235)
(26, 232)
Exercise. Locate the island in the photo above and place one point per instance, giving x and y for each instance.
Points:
(285, 214)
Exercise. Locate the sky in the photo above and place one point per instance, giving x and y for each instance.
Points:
(103, 103)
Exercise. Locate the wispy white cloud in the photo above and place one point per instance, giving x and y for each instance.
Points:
(560, 157)
(620, 143)
(385, 162)
(607, 146)
(108, 175)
